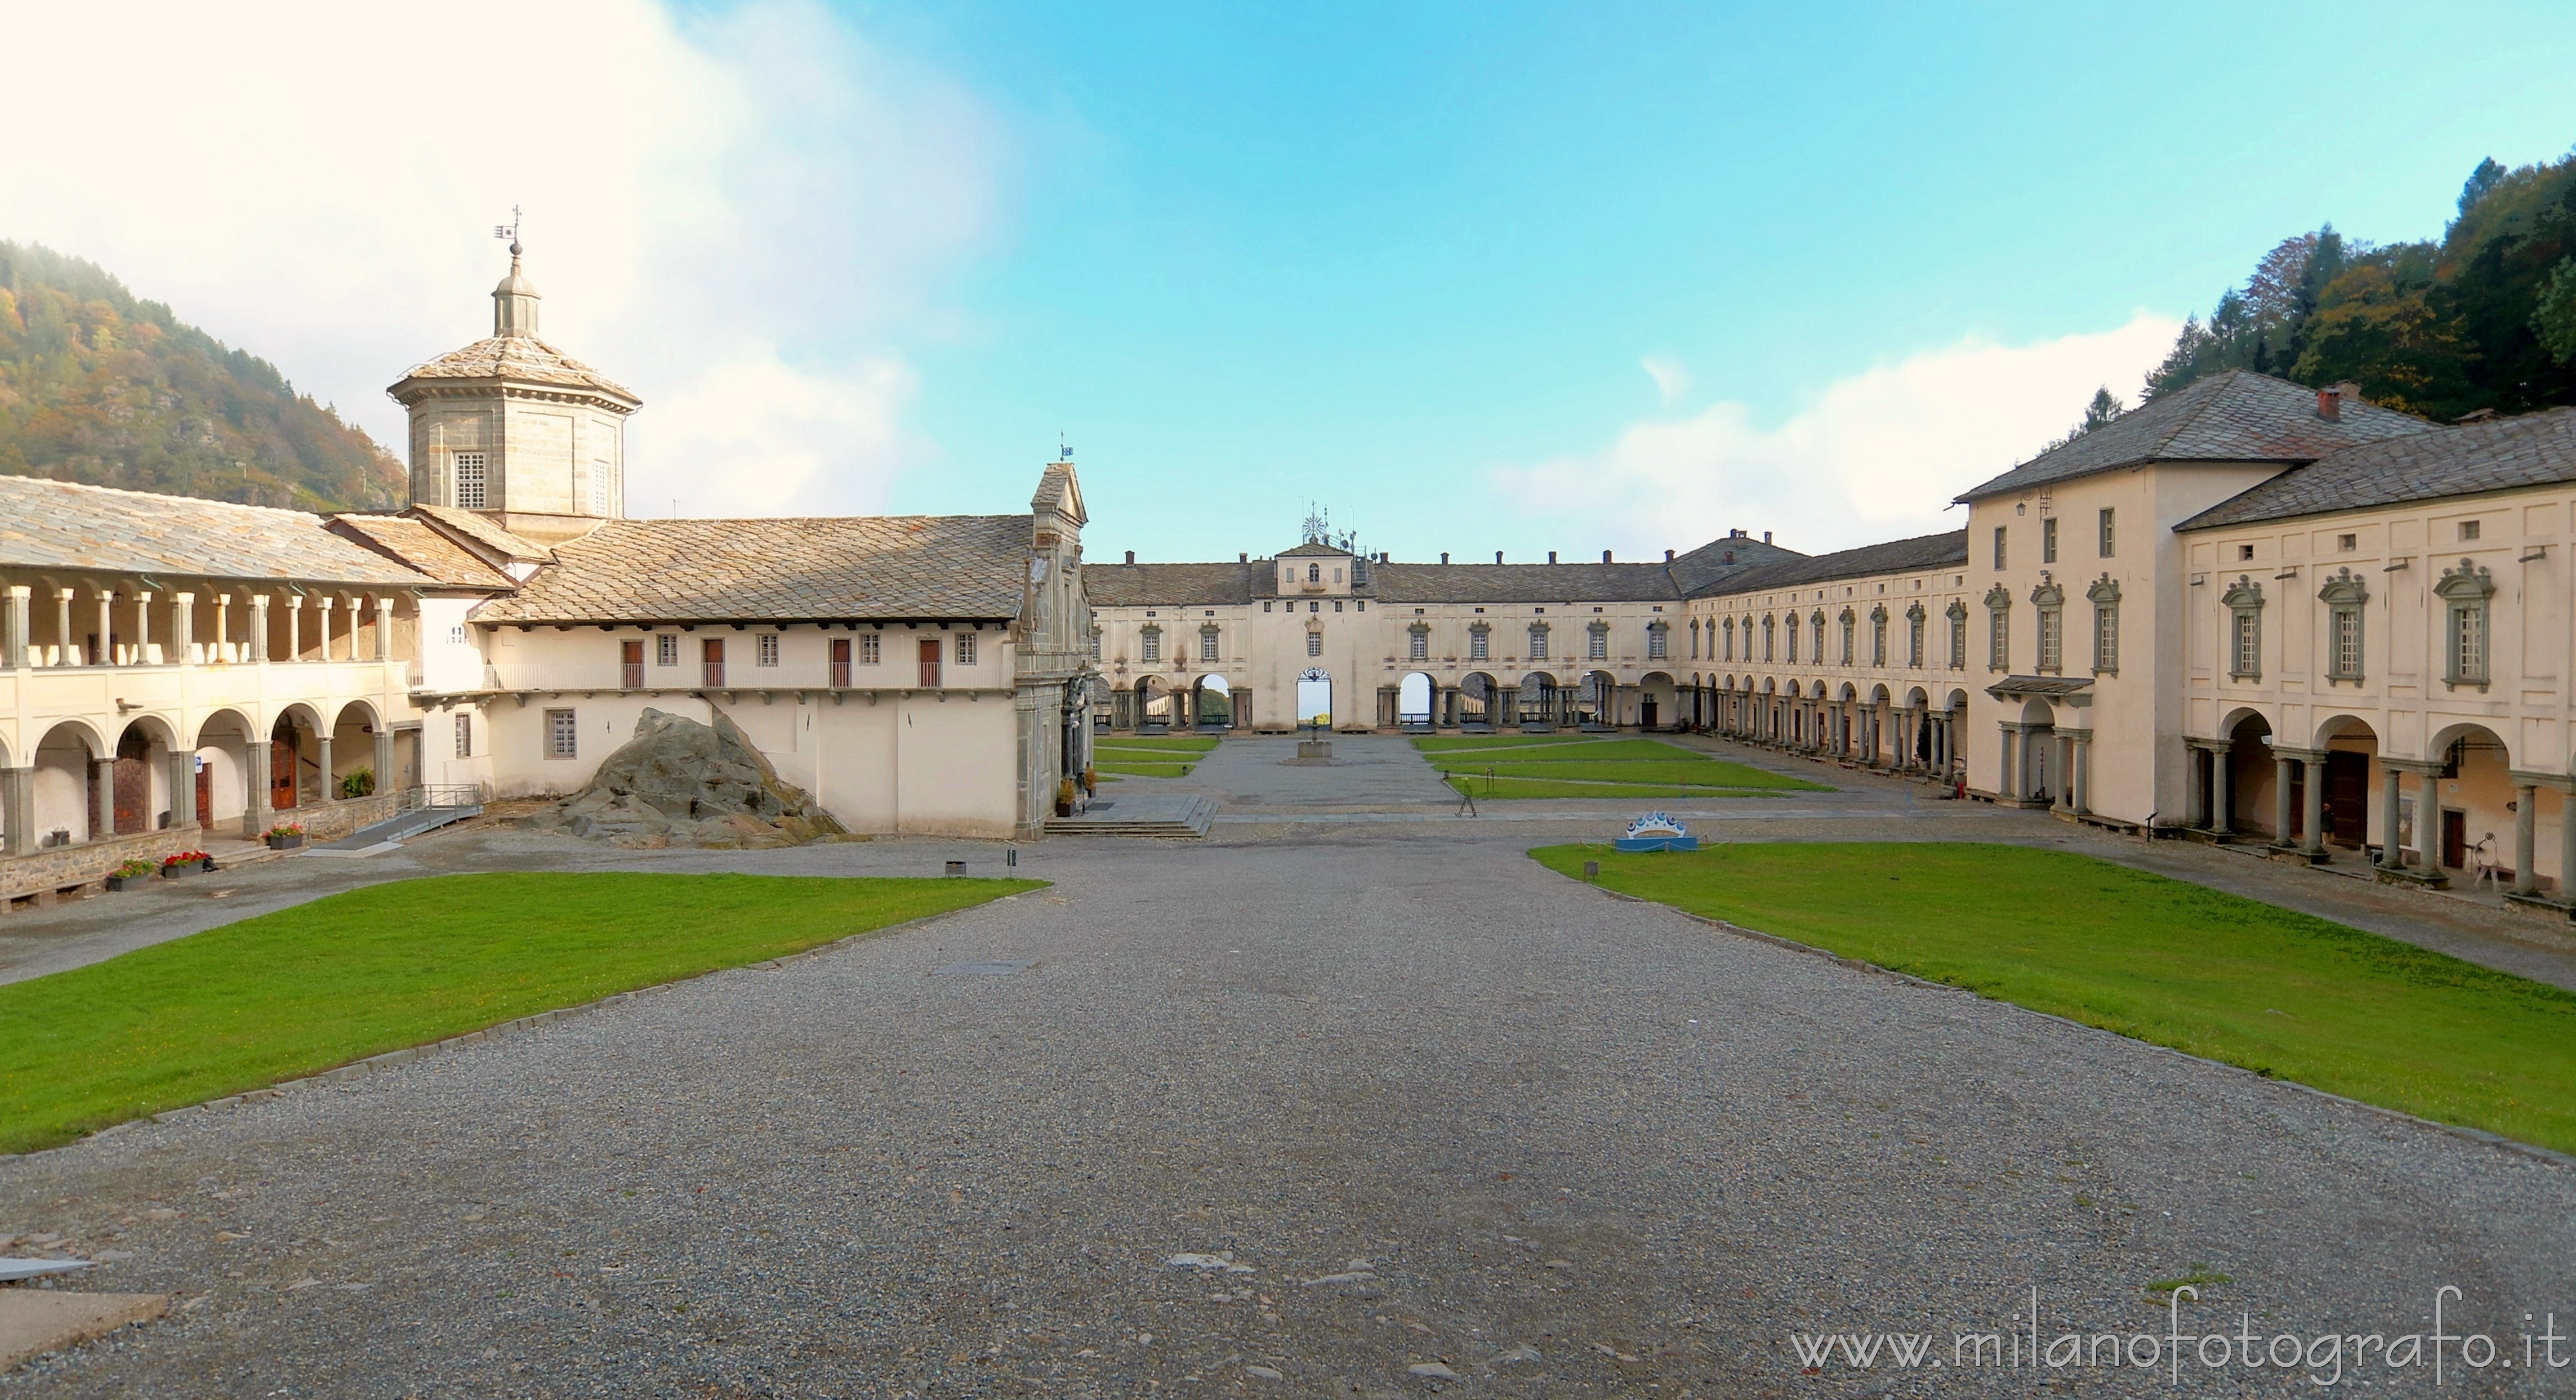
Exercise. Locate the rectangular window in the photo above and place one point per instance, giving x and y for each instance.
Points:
(2104, 544)
(840, 661)
(765, 651)
(1818, 622)
(469, 480)
(464, 734)
(666, 649)
(1095, 644)
(711, 662)
(599, 488)
(630, 663)
(1878, 640)
(1479, 645)
(2248, 644)
(1999, 546)
(871, 649)
(1914, 642)
(456, 635)
(1999, 640)
(1730, 639)
(1655, 643)
(1151, 643)
(1208, 644)
(2468, 530)
(966, 648)
(1314, 644)
(2048, 540)
(2106, 637)
(1596, 646)
(1849, 627)
(1959, 642)
(1419, 647)
(927, 650)
(563, 735)
(2052, 640)
(2469, 644)
(2346, 645)
(2347, 543)
(1789, 642)
(1538, 644)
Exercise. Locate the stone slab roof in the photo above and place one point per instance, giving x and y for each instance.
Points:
(482, 533)
(1314, 548)
(62, 525)
(415, 543)
(520, 359)
(819, 568)
(1705, 570)
(1522, 583)
(2233, 416)
(2535, 449)
(1171, 585)
(1942, 551)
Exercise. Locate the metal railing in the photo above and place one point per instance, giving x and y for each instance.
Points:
(419, 799)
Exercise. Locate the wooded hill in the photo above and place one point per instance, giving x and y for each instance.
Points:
(97, 386)
(2482, 318)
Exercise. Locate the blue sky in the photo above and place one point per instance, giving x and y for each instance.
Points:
(1475, 277)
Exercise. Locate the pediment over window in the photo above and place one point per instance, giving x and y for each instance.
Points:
(2105, 589)
(1998, 598)
(1958, 610)
(2346, 587)
(2466, 584)
(1914, 612)
(2049, 595)
(2243, 593)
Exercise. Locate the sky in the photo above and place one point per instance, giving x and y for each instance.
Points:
(1467, 277)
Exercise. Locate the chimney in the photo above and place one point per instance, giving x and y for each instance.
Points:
(1730, 557)
(1668, 556)
(1735, 534)
(1444, 556)
(1551, 556)
(1766, 537)
(1244, 557)
(1131, 556)
(1498, 556)
(1605, 556)
(2330, 404)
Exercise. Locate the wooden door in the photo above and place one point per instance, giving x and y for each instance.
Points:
(205, 795)
(711, 661)
(133, 784)
(2455, 839)
(930, 663)
(2348, 799)
(630, 664)
(840, 662)
(1645, 713)
(281, 775)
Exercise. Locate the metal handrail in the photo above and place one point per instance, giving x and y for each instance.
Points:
(416, 799)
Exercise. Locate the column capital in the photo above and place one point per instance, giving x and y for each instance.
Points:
(2555, 782)
(2420, 767)
(2302, 755)
(2208, 745)
(20, 590)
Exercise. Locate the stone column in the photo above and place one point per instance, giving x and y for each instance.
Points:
(2526, 835)
(322, 623)
(2313, 838)
(2281, 765)
(2566, 840)
(106, 629)
(295, 628)
(142, 628)
(183, 626)
(259, 627)
(65, 648)
(102, 778)
(2392, 856)
(18, 809)
(2061, 776)
(20, 615)
(385, 759)
(255, 807)
(384, 629)
(2008, 787)
(329, 784)
(183, 789)
(2079, 772)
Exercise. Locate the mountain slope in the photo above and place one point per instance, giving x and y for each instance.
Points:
(99, 387)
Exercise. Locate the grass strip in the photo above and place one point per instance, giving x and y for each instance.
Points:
(1504, 789)
(2232, 979)
(350, 975)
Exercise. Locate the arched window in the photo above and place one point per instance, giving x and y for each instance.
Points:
(1314, 573)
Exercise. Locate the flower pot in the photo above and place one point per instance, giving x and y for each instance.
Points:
(174, 869)
(118, 884)
(285, 843)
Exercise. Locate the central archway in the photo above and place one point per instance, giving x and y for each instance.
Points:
(1212, 703)
(1413, 700)
(1315, 698)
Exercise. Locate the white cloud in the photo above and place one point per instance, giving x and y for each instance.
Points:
(750, 203)
(1876, 456)
(1671, 379)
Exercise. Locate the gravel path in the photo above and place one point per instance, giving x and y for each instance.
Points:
(1412, 1103)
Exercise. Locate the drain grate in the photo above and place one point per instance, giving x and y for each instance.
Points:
(981, 967)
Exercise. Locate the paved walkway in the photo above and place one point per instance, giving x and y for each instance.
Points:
(1284, 1117)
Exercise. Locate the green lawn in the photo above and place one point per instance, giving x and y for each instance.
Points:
(1483, 787)
(1429, 744)
(1152, 756)
(1579, 766)
(2220, 976)
(1569, 750)
(1704, 773)
(1166, 743)
(291, 993)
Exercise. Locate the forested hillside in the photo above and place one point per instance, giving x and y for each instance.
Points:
(97, 386)
(2482, 318)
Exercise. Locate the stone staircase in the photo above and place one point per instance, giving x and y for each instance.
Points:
(1177, 814)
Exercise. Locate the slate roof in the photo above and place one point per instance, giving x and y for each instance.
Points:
(415, 543)
(1708, 569)
(2233, 416)
(63, 525)
(1522, 583)
(482, 531)
(1171, 585)
(2535, 449)
(1942, 551)
(822, 568)
(1312, 547)
(521, 358)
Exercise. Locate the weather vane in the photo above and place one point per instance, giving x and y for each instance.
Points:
(509, 230)
(1319, 524)
(1063, 452)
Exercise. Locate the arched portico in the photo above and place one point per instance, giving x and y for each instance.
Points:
(1212, 703)
(1538, 701)
(1476, 701)
(1658, 704)
(62, 798)
(1596, 700)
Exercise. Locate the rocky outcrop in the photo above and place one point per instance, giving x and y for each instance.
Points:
(682, 783)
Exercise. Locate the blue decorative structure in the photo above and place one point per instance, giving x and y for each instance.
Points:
(1656, 831)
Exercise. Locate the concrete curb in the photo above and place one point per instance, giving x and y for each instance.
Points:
(339, 1074)
(2478, 1135)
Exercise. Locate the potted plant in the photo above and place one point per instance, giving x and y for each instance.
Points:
(359, 782)
(1090, 783)
(286, 836)
(184, 863)
(1064, 798)
(129, 875)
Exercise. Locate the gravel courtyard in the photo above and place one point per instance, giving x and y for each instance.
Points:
(1348, 1110)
